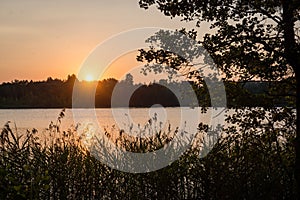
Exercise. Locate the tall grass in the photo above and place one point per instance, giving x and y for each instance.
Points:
(249, 165)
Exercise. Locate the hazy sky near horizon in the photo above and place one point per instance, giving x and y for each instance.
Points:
(40, 38)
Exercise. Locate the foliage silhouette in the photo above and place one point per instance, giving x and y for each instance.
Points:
(250, 40)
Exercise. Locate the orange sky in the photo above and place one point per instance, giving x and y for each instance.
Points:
(40, 38)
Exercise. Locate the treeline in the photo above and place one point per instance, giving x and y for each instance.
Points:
(56, 93)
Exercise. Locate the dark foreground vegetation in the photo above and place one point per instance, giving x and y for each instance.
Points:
(254, 161)
(56, 93)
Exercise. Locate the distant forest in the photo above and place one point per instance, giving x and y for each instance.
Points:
(56, 93)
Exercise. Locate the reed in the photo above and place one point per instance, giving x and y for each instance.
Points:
(240, 166)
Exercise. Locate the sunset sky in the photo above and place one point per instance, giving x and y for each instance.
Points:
(40, 38)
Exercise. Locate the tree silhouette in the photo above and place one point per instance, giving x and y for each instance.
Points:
(129, 79)
(251, 40)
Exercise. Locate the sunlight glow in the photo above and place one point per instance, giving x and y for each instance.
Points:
(89, 78)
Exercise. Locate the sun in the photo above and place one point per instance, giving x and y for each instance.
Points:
(89, 78)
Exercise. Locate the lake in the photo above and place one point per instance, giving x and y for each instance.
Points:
(122, 118)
